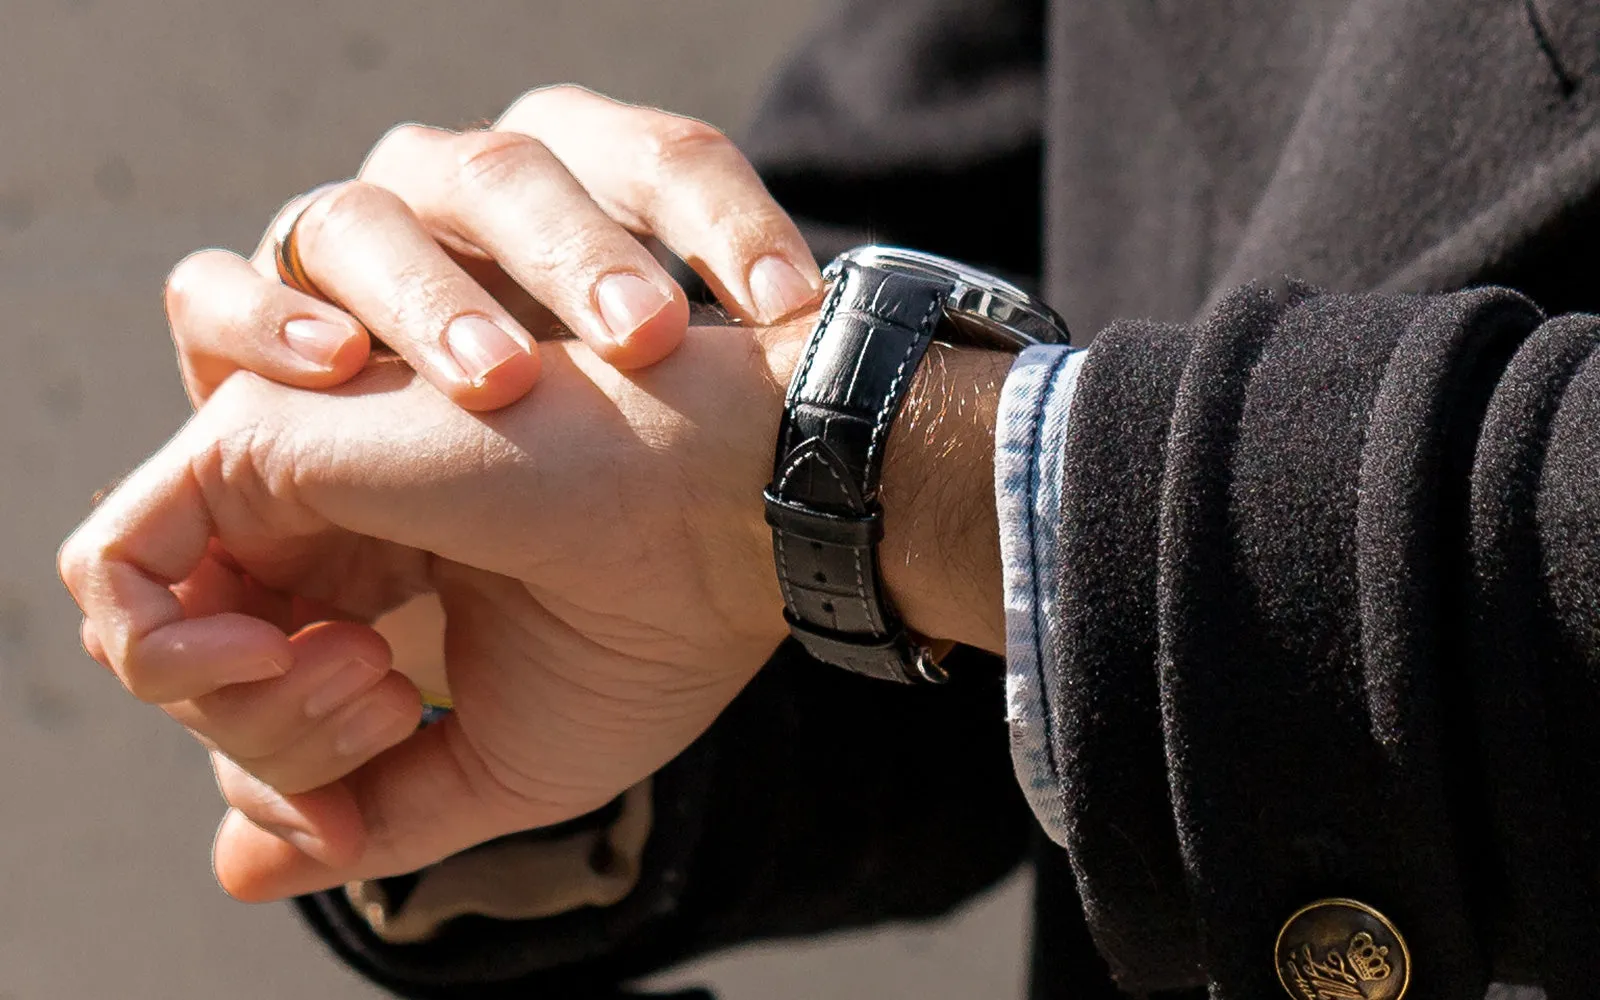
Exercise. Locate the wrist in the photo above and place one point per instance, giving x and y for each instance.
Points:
(940, 554)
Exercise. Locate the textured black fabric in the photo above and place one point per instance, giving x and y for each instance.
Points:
(1108, 744)
(1526, 683)
(768, 826)
(1359, 144)
(1298, 659)
(1374, 633)
(914, 123)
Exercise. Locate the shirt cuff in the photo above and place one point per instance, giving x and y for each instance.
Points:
(1034, 408)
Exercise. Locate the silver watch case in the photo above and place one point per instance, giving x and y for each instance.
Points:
(989, 312)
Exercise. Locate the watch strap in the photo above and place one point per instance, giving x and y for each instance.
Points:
(873, 331)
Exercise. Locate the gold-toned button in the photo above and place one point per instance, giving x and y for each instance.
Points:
(1341, 949)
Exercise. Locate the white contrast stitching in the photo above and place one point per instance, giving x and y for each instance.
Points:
(892, 396)
(799, 380)
(783, 568)
(855, 553)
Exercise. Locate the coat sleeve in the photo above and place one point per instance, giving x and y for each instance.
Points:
(1327, 627)
(819, 801)
(917, 122)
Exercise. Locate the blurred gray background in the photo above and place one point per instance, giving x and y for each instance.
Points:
(134, 132)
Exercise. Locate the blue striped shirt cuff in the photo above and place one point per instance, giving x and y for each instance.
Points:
(1034, 408)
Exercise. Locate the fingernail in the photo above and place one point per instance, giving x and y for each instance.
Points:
(345, 682)
(257, 670)
(479, 346)
(628, 302)
(368, 730)
(279, 818)
(778, 289)
(316, 340)
(305, 843)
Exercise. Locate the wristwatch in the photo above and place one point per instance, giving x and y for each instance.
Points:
(885, 305)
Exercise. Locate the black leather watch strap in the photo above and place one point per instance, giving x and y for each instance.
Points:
(822, 504)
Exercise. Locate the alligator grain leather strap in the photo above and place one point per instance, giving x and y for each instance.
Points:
(822, 503)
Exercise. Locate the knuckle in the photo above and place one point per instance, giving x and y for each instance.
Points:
(398, 147)
(672, 143)
(565, 90)
(341, 209)
(490, 159)
(528, 106)
(405, 135)
(676, 159)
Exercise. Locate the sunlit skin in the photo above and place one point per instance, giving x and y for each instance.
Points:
(598, 548)
(460, 250)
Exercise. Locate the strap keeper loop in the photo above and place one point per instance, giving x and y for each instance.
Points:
(855, 531)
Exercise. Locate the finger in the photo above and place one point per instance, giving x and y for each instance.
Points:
(120, 567)
(422, 801)
(684, 182)
(506, 196)
(278, 728)
(225, 316)
(344, 740)
(322, 826)
(534, 317)
(366, 250)
(432, 794)
(157, 541)
(92, 644)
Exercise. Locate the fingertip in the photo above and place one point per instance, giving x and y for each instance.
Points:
(652, 340)
(326, 352)
(342, 640)
(251, 864)
(779, 288)
(500, 386)
(401, 701)
(352, 354)
(254, 864)
(192, 658)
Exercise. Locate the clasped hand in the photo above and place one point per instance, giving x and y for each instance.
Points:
(597, 545)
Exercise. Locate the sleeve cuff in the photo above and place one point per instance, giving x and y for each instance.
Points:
(1035, 405)
(514, 878)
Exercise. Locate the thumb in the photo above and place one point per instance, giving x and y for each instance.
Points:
(299, 489)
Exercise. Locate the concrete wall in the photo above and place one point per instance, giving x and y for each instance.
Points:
(130, 133)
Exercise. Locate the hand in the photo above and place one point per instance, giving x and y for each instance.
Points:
(599, 551)
(459, 250)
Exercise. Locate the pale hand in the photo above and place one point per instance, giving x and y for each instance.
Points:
(598, 549)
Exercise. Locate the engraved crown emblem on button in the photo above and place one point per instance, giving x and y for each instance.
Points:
(1342, 949)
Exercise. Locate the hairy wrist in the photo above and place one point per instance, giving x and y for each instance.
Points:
(940, 555)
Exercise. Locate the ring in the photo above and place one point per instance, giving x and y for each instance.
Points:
(286, 251)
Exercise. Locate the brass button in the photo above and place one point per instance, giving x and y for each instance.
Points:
(1341, 949)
